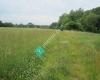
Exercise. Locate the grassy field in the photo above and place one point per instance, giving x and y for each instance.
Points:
(71, 55)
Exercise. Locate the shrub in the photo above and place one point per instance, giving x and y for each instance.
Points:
(73, 26)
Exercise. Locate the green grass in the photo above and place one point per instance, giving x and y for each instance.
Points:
(77, 59)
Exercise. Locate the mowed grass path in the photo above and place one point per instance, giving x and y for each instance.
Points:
(71, 55)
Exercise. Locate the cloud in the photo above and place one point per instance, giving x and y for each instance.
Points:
(36, 19)
(40, 11)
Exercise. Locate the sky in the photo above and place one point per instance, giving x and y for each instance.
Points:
(42, 12)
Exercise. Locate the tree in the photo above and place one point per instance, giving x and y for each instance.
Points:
(96, 10)
(74, 26)
(7, 24)
(91, 22)
(21, 25)
(63, 19)
(1, 24)
(30, 25)
(72, 17)
(76, 15)
(54, 25)
(81, 20)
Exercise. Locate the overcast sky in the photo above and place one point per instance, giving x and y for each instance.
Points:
(40, 11)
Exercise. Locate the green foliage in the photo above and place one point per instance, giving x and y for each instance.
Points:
(76, 15)
(63, 19)
(1, 24)
(91, 22)
(73, 26)
(96, 10)
(30, 25)
(81, 20)
(6, 24)
(54, 25)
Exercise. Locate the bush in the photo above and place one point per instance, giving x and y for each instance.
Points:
(73, 26)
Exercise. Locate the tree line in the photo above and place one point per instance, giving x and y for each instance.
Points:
(29, 25)
(79, 20)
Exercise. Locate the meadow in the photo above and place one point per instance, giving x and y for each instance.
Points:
(71, 55)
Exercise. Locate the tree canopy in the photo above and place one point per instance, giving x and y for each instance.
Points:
(81, 20)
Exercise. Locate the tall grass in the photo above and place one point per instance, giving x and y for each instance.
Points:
(78, 59)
